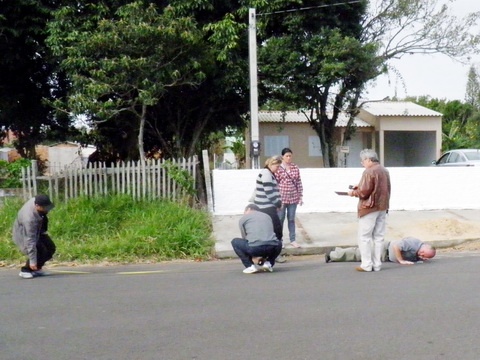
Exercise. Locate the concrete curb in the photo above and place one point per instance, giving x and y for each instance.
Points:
(320, 232)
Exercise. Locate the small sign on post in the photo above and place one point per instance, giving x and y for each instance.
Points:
(343, 149)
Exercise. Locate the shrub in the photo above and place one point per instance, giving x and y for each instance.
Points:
(10, 173)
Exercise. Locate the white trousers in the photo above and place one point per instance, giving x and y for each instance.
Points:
(371, 234)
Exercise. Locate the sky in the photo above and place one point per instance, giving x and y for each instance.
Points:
(435, 75)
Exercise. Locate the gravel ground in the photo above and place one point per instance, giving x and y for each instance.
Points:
(472, 245)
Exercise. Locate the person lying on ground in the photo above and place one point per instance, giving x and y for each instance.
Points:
(406, 251)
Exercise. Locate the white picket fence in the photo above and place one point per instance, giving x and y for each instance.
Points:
(152, 179)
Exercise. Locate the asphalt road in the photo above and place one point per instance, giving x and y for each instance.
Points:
(306, 309)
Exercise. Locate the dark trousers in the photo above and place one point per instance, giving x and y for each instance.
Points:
(245, 252)
(277, 224)
(45, 250)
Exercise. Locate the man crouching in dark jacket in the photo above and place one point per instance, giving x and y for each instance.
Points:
(30, 235)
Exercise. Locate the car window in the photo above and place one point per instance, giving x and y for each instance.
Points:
(474, 155)
(454, 158)
(443, 159)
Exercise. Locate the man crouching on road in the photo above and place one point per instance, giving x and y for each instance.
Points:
(258, 240)
(30, 235)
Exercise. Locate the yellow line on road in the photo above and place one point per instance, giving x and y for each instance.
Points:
(70, 272)
(140, 272)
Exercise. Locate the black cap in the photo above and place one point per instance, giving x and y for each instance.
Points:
(44, 201)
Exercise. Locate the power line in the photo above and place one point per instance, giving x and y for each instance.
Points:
(309, 8)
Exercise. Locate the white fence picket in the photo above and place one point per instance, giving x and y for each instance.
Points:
(141, 180)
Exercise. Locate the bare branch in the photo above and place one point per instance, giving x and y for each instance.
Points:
(420, 26)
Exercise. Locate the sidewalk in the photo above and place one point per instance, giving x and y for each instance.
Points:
(317, 232)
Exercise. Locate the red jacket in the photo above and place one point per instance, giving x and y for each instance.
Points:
(373, 190)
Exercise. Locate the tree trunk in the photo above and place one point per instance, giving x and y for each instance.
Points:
(141, 130)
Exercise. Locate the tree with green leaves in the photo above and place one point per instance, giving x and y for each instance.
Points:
(472, 93)
(30, 76)
(167, 77)
(126, 61)
(321, 59)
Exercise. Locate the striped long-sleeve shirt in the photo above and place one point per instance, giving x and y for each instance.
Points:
(266, 190)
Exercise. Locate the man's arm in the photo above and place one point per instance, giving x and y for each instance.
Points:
(241, 225)
(31, 238)
(399, 257)
(364, 188)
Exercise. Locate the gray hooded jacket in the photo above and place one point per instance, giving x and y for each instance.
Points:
(27, 229)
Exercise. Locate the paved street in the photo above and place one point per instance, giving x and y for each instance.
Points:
(306, 309)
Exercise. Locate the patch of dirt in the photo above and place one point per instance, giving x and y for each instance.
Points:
(472, 245)
(438, 229)
(449, 227)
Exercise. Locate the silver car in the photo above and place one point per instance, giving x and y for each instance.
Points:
(460, 157)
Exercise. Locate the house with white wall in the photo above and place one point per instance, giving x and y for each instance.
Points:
(68, 155)
(402, 133)
(407, 134)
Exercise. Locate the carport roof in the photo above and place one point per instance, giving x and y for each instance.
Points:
(398, 108)
(297, 117)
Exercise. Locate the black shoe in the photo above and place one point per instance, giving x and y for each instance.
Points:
(327, 257)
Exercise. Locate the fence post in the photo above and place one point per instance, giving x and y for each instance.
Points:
(24, 182)
(34, 176)
(208, 180)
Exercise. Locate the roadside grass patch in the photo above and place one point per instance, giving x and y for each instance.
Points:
(117, 229)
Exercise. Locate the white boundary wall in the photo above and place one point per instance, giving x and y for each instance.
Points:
(413, 188)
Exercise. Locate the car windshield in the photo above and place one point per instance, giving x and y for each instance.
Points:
(473, 155)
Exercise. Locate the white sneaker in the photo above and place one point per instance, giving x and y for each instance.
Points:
(267, 266)
(39, 273)
(250, 270)
(25, 275)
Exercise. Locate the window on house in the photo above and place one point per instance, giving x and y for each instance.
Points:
(314, 148)
(273, 145)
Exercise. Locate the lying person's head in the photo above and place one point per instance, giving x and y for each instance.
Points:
(426, 251)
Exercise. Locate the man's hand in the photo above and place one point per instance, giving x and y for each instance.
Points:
(405, 262)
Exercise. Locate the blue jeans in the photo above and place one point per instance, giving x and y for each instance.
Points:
(245, 252)
(289, 210)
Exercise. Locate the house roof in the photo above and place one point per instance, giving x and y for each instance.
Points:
(398, 108)
(297, 117)
(65, 143)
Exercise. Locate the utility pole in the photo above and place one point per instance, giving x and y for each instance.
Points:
(255, 145)
(252, 52)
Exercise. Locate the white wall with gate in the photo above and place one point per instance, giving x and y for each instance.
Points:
(413, 188)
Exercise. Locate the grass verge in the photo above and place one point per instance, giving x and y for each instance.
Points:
(116, 229)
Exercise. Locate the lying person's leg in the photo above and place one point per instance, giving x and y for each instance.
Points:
(344, 254)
